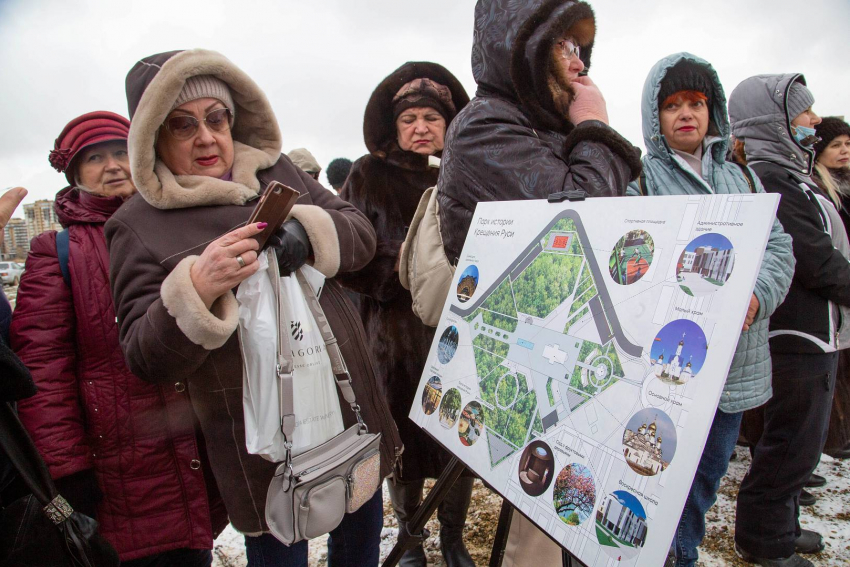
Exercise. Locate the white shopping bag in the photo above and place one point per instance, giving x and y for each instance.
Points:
(317, 411)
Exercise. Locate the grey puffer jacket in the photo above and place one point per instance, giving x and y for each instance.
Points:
(748, 384)
(509, 142)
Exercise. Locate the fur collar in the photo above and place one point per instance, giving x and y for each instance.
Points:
(841, 176)
(256, 135)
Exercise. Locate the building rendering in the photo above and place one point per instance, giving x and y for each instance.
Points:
(620, 521)
(642, 450)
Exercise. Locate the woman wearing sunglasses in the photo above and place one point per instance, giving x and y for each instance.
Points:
(114, 443)
(204, 144)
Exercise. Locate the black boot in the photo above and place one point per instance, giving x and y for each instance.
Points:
(406, 497)
(452, 516)
(807, 498)
(815, 481)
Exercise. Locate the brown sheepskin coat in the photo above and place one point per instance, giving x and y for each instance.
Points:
(166, 332)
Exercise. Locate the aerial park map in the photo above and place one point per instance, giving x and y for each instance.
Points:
(579, 362)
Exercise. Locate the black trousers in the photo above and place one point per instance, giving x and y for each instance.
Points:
(795, 426)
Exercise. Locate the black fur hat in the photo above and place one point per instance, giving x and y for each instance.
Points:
(830, 128)
(686, 76)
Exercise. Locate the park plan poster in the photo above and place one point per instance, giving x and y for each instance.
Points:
(579, 361)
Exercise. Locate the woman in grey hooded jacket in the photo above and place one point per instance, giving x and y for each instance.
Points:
(773, 116)
(686, 132)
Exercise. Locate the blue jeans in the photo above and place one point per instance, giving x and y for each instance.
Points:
(356, 542)
(703, 494)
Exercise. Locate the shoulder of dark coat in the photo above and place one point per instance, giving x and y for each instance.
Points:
(374, 180)
(775, 178)
(136, 206)
(601, 133)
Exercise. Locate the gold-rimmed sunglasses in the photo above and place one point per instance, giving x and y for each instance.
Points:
(183, 126)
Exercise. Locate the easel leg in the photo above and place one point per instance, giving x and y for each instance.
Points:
(501, 537)
(416, 532)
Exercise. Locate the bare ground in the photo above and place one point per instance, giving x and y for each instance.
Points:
(830, 516)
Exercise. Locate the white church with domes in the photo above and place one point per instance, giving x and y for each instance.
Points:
(642, 449)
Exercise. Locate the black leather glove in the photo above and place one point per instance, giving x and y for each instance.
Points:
(292, 246)
(81, 491)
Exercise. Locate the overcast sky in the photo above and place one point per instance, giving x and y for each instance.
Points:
(318, 62)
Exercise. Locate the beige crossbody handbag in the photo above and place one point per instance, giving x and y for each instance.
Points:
(311, 492)
(423, 266)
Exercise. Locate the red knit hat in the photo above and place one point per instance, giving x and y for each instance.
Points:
(83, 131)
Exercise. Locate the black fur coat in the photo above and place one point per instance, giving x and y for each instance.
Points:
(386, 186)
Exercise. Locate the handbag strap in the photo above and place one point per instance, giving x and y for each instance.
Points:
(16, 443)
(285, 361)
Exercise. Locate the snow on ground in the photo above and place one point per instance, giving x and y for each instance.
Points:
(830, 516)
(229, 550)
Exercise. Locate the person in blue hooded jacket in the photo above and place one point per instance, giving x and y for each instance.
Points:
(686, 131)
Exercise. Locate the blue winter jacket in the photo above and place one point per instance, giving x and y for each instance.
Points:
(748, 384)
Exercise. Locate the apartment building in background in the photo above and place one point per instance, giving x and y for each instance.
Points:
(40, 216)
(16, 241)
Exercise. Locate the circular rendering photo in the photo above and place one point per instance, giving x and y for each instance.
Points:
(621, 525)
(467, 283)
(678, 352)
(575, 494)
(431, 395)
(705, 264)
(649, 442)
(450, 408)
(536, 467)
(448, 344)
(470, 424)
(631, 257)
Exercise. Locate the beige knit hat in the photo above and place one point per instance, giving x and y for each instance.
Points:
(206, 86)
(305, 161)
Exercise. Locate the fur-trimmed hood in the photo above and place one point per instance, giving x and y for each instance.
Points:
(512, 45)
(152, 85)
(758, 111)
(379, 130)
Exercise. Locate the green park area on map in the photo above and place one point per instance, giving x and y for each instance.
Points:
(530, 376)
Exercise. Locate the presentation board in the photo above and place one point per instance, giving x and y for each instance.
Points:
(578, 364)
